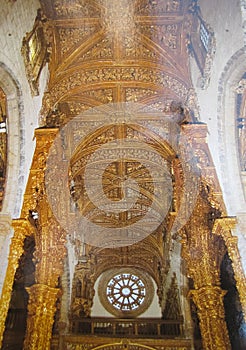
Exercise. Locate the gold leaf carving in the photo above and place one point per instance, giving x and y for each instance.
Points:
(102, 95)
(101, 50)
(69, 37)
(164, 34)
(161, 7)
(118, 74)
(75, 8)
(137, 94)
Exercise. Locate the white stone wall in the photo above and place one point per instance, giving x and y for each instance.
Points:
(16, 19)
(217, 102)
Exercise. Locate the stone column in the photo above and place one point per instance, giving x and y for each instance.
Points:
(223, 227)
(22, 229)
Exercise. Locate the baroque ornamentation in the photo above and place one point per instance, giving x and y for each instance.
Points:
(70, 37)
(172, 309)
(100, 51)
(162, 7)
(209, 301)
(118, 74)
(138, 94)
(22, 229)
(164, 34)
(102, 95)
(41, 310)
(223, 227)
(74, 8)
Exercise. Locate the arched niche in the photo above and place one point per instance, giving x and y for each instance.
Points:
(233, 186)
(14, 184)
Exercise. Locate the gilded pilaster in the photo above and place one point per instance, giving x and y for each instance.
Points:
(50, 248)
(202, 250)
(223, 227)
(41, 310)
(50, 253)
(209, 302)
(22, 229)
(203, 253)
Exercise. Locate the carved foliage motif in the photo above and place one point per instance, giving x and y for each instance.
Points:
(135, 49)
(161, 7)
(41, 310)
(72, 344)
(124, 74)
(69, 37)
(83, 290)
(74, 8)
(164, 34)
(101, 50)
(138, 94)
(102, 95)
(209, 301)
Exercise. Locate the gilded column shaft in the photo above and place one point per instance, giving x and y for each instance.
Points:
(209, 302)
(16, 250)
(41, 310)
(233, 253)
(223, 228)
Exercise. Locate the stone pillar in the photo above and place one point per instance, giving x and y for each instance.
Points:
(223, 227)
(22, 229)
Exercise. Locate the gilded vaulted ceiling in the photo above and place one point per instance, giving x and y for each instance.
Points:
(132, 51)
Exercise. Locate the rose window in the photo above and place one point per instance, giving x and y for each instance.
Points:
(126, 292)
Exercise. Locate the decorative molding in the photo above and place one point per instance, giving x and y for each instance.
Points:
(75, 9)
(161, 7)
(69, 37)
(85, 77)
(3, 144)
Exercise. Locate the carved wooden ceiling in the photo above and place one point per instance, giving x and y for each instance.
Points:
(104, 54)
(135, 52)
(131, 51)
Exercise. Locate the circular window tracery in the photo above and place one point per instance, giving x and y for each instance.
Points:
(125, 293)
